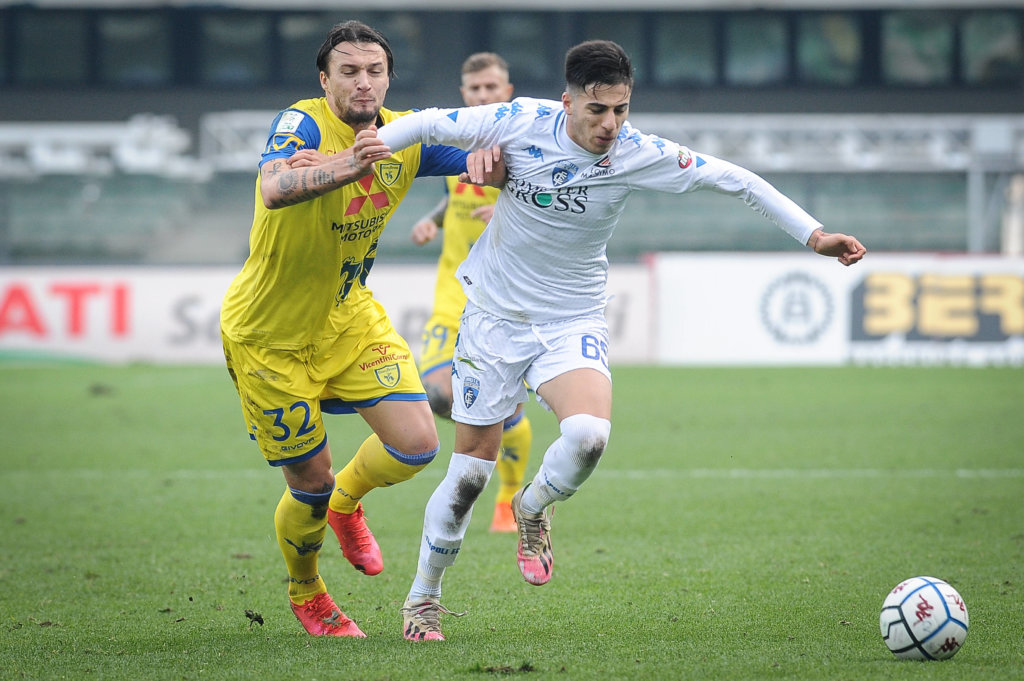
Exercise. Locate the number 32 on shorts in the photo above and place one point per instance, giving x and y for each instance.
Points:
(592, 347)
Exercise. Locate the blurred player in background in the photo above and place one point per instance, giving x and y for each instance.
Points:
(463, 213)
(303, 333)
(535, 283)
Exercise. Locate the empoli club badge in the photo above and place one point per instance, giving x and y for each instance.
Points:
(470, 391)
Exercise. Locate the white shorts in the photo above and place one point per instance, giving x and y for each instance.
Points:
(494, 356)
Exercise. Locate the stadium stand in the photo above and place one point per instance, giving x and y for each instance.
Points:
(129, 192)
(801, 104)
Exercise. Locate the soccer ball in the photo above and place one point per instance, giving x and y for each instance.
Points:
(924, 618)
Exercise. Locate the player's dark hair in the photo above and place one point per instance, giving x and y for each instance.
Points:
(597, 62)
(353, 32)
(483, 60)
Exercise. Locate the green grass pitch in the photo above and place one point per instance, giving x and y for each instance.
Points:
(743, 524)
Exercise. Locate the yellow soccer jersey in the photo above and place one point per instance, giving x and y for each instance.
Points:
(308, 263)
(460, 233)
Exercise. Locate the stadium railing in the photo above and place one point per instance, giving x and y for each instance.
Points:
(904, 181)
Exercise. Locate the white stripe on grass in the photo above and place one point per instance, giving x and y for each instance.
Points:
(257, 472)
(809, 473)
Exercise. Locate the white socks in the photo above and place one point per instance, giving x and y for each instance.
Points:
(568, 462)
(445, 521)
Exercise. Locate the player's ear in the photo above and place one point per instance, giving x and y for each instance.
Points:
(567, 102)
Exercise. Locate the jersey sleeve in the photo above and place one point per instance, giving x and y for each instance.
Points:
(291, 130)
(439, 159)
(730, 179)
(471, 127)
(662, 165)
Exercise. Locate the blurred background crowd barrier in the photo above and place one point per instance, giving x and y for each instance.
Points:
(130, 130)
(141, 192)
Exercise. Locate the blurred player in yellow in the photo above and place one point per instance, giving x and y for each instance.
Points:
(463, 213)
(303, 333)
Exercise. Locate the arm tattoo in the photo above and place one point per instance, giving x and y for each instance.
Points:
(287, 183)
(315, 182)
(322, 177)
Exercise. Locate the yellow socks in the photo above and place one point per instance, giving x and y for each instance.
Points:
(516, 438)
(301, 523)
(374, 465)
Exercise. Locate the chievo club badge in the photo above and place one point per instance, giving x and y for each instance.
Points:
(388, 375)
(389, 172)
(470, 391)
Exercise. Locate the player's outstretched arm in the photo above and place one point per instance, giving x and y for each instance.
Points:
(845, 248)
(309, 174)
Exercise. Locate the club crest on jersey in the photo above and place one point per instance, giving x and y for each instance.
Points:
(388, 375)
(685, 158)
(563, 172)
(470, 391)
(389, 173)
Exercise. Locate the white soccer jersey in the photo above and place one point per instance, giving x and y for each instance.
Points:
(543, 256)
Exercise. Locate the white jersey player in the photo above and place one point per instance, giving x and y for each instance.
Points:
(543, 256)
(535, 283)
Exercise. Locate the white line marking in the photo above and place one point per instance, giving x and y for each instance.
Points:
(257, 472)
(811, 473)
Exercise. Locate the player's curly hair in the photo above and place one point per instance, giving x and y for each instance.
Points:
(597, 62)
(353, 32)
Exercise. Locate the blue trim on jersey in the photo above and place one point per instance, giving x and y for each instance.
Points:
(439, 159)
(513, 420)
(309, 498)
(413, 459)
(306, 136)
(301, 457)
(334, 405)
(447, 364)
(554, 130)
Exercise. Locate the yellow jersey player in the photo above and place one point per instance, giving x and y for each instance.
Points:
(463, 214)
(302, 331)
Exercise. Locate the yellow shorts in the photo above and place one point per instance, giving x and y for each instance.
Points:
(285, 392)
(438, 344)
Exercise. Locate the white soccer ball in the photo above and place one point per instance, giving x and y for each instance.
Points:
(924, 618)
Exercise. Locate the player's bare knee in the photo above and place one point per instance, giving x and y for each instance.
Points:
(413, 437)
